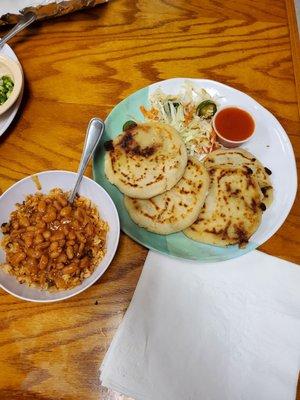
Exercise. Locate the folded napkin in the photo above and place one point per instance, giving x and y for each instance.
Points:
(222, 331)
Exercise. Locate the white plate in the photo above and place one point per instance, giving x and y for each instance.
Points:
(270, 145)
(64, 180)
(7, 118)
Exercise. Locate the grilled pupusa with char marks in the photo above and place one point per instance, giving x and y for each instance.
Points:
(146, 160)
(236, 157)
(175, 209)
(232, 210)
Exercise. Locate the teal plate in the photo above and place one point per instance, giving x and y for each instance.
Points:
(177, 244)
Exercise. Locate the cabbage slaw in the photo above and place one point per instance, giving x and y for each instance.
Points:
(179, 111)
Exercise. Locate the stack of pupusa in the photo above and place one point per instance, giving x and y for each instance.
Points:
(217, 201)
(164, 189)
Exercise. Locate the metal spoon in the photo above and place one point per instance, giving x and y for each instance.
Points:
(26, 20)
(92, 138)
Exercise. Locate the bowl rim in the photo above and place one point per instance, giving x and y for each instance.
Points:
(18, 76)
(109, 260)
(229, 140)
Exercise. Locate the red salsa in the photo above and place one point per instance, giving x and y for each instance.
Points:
(234, 124)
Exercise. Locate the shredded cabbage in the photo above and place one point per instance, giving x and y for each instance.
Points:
(179, 111)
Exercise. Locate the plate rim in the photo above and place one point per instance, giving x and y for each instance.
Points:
(288, 145)
(7, 51)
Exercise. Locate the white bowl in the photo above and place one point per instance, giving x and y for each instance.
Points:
(64, 180)
(14, 70)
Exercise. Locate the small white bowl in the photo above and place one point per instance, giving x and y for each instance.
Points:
(64, 180)
(14, 70)
(227, 142)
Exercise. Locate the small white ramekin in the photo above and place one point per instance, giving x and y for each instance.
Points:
(227, 142)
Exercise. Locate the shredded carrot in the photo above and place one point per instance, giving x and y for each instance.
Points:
(188, 115)
(213, 136)
(214, 143)
(215, 146)
(150, 114)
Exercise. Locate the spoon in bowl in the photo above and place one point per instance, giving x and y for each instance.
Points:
(92, 138)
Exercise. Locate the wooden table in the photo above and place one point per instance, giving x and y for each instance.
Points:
(80, 66)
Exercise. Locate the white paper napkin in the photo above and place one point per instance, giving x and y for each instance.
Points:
(223, 331)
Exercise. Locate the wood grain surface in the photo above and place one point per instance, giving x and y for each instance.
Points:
(80, 66)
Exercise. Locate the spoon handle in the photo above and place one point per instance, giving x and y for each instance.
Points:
(26, 20)
(92, 138)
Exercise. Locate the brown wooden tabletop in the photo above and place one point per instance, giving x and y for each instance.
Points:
(80, 66)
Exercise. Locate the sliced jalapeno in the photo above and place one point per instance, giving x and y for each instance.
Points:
(206, 109)
(129, 124)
